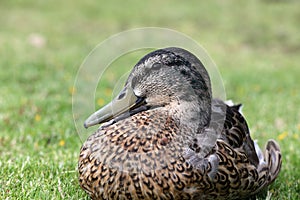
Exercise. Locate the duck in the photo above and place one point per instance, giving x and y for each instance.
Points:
(165, 137)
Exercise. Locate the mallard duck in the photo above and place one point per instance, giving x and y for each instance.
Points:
(165, 137)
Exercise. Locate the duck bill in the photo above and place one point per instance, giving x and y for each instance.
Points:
(120, 105)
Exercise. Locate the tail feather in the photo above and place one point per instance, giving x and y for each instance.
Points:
(269, 164)
(273, 159)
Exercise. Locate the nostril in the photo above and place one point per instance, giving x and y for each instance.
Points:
(121, 95)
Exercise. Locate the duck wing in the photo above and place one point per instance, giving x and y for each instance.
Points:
(227, 124)
(235, 165)
(236, 132)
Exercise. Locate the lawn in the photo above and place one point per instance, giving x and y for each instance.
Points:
(255, 45)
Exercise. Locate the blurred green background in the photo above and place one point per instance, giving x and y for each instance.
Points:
(255, 44)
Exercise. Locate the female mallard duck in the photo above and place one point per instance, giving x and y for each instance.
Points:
(164, 137)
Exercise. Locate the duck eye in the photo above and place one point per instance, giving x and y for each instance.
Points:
(133, 81)
(156, 66)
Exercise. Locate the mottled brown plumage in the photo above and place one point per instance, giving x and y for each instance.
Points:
(163, 137)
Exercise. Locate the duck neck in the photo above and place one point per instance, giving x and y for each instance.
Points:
(193, 115)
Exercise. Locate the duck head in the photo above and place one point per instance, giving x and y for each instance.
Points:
(172, 79)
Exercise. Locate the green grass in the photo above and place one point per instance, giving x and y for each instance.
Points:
(255, 45)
